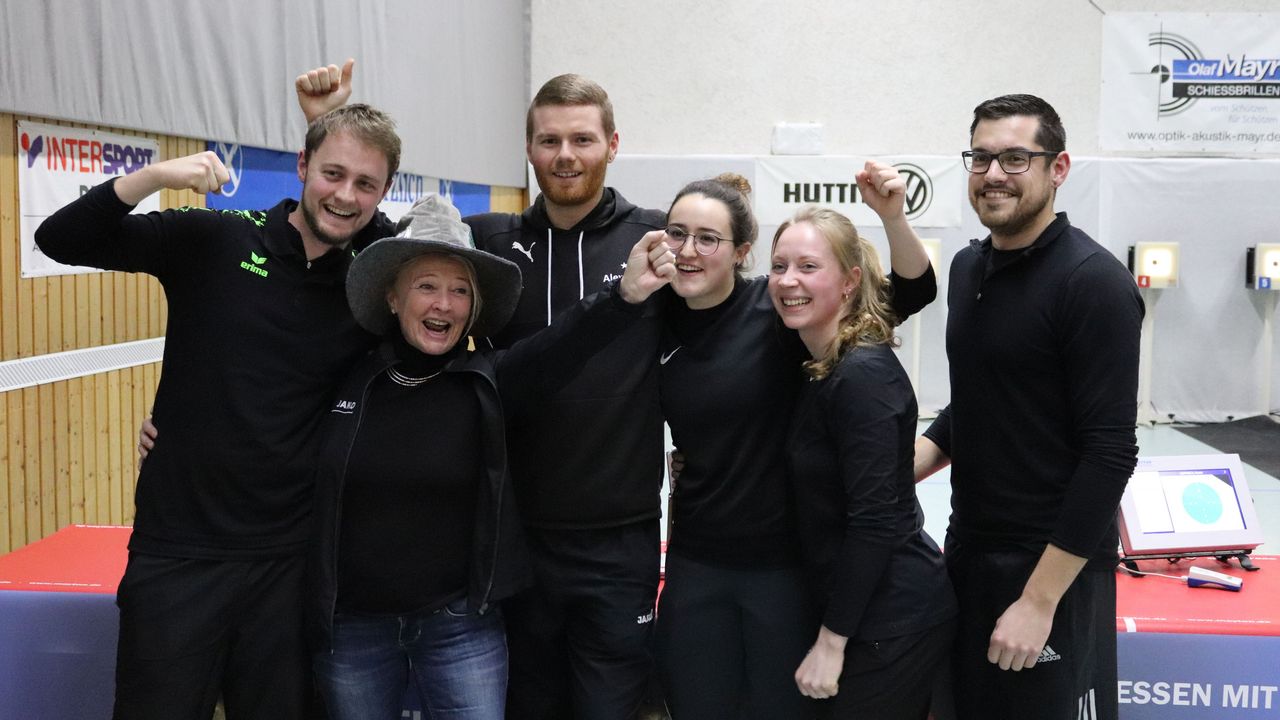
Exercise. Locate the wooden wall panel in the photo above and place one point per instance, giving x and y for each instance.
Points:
(4, 470)
(101, 455)
(31, 461)
(75, 451)
(89, 446)
(61, 480)
(10, 403)
(15, 515)
(68, 449)
(507, 200)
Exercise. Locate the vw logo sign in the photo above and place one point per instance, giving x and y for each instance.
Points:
(233, 158)
(919, 189)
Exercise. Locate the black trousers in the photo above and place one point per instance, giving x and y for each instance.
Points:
(191, 630)
(1075, 677)
(730, 640)
(580, 640)
(893, 678)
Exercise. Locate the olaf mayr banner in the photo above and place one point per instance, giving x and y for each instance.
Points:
(58, 164)
(784, 184)
(1176, 83)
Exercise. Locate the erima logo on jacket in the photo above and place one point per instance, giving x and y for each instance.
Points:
(255, 268)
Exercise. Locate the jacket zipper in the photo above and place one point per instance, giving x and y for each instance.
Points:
(497, 526)
(342, 481)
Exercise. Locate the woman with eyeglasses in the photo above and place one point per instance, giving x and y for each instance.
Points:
(736, 616)
(887, 606)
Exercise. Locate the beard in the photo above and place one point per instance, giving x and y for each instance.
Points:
(1009, 221)
(585, 189)
(313, 223)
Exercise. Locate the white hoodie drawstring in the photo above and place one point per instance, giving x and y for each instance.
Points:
(550, 252)
(581, 279)
(581, 286)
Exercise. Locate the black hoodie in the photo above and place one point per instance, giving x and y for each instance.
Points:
(591, 455)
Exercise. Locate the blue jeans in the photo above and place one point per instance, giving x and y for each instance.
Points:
(457, 661)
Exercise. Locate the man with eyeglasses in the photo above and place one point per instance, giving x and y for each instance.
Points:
(1042, 338)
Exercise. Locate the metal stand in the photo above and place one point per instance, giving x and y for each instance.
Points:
(1268, 320)
(1130, 562)
(1146, 410)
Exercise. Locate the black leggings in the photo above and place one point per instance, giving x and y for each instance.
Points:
(730, 640)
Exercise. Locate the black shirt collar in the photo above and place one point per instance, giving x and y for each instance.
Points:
(1048, 235)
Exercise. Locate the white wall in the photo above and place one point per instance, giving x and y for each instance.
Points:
(713, 76)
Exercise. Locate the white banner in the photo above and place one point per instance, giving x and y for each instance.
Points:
(784, 184)
(1189, 83)
(57, 165)
(652, 181)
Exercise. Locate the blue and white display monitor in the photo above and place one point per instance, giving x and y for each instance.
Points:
(1188, 504)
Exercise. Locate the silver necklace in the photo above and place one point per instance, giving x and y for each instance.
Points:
(400, 378)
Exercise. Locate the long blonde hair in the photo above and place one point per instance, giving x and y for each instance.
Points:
(868, 317)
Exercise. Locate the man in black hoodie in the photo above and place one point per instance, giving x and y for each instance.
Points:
(587, 464)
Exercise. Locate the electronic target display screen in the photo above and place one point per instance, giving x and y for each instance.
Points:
(1188, 503)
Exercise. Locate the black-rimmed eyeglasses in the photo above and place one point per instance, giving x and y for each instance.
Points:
(703, 243)
(1012, 162)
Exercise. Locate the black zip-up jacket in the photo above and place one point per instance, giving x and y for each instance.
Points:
(590, 456)
(256, 341)
(497, 566)
(504, 381)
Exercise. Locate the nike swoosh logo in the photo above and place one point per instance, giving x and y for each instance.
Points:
(663, 360)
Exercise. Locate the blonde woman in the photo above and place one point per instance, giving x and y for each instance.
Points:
(887, 607)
